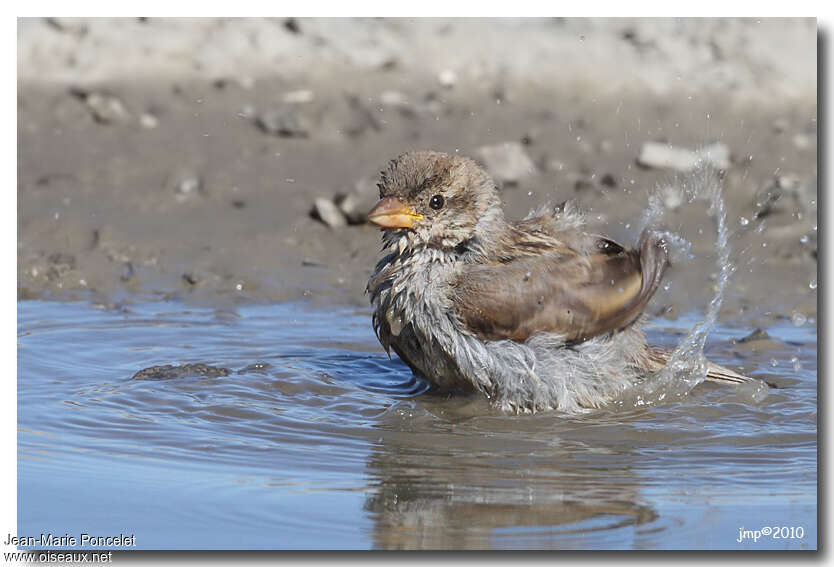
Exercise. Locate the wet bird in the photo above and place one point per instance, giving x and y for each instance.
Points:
(535, 314)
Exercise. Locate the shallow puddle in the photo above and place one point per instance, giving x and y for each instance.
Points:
(308, 436)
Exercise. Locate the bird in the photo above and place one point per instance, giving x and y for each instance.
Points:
(535, 314)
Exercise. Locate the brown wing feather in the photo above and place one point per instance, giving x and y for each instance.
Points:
(578, 296)
(715, 373)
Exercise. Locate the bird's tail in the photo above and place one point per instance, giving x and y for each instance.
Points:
(715, 372)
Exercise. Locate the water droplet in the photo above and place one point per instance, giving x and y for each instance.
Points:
(797, 366)
(764, 244)
(798, 319)
(813, 284)
(239, 287)
(581, 38)
(529, 193)
(743, 221)
(774, 362)
(667, 286)
(803, 239)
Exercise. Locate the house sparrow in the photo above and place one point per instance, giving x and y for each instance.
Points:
(535, 314)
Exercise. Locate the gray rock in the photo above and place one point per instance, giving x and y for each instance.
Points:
(299, 96)
(104, 108)
(148, 121)
(785, 194)
(328, 212)
(447, 78)
(756, 335)
(356, 203)
(508, 163)
(170, 372)
(286, 121)
(185, 184)
(393, 98)
(666, 156)
(362, 117)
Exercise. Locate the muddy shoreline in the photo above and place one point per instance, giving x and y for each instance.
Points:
(200, 188)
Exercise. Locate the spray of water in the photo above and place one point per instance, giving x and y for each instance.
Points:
(687, 365)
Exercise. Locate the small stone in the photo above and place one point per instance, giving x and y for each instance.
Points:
(804, 141)
(190, 278)
(247, 111)
(362, 117)
(300, 96)
(779, 125)
(127, 271)
(447, 78)
(285, 121)
(608, 180)
(148, 121)
(756, 335)
(327, 212)
(393, 98)
(185, 184)
(666, 156)
(256, 368)
(508, 163)
(291, 25)
(104, 108)
(170, 372)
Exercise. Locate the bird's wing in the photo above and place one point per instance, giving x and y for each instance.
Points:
(715, 373)
(578, 296)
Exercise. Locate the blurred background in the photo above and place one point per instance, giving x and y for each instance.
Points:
(227, 158)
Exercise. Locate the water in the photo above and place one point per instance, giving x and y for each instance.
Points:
(687, 365)
(315, 439)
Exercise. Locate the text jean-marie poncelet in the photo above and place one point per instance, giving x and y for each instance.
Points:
(50, 540)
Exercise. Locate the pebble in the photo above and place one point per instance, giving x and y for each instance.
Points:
(300, 96)
(508, 163)
(447, 78)
(148, 121)
(104, 108)
(169, 372)
(756, 335)
(784, 193)
(285, 121)
(393, 98)
(665, 156)
(362, 117)
(185, 184)
(327, 212)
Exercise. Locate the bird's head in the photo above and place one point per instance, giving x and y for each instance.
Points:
(436, 200)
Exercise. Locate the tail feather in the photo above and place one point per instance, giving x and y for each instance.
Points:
(715, 372)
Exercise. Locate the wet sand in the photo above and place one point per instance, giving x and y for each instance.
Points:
(195, 178)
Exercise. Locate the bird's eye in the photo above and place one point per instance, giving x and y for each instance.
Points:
(436, 202)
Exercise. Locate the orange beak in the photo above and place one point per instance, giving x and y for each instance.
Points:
(390, 212)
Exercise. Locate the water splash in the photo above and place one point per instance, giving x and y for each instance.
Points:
(687, 365)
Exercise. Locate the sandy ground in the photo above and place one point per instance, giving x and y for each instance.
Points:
(182, 158)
